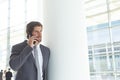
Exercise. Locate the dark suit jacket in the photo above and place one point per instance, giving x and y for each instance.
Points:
(22, 61)
(8, 75)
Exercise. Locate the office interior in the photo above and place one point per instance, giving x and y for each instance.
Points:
(83, 35)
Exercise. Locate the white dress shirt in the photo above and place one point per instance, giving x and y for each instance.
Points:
(40, 57)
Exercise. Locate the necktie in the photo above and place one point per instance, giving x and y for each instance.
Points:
(37, 63)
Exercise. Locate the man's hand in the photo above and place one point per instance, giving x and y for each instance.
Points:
(32, 41)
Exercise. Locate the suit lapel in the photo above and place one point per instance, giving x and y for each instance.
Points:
(25, 43)
(43, 55)
(33, 59)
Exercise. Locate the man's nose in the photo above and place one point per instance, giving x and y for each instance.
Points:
(39, 34)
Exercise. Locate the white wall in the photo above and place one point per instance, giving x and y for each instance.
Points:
(65, 35)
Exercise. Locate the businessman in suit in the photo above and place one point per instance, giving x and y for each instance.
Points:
(30, 58)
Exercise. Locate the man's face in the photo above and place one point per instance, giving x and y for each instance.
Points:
(37, 32)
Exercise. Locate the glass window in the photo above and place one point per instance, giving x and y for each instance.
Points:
(3, 33)
(103, 29)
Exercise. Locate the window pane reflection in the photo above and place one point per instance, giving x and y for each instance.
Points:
(103, 29)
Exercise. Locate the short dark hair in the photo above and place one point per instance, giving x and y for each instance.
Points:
(30, 26)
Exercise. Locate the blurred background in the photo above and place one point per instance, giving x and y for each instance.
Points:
(103, 29)
(102, 26)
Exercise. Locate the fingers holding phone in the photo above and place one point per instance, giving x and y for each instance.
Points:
(32, 41)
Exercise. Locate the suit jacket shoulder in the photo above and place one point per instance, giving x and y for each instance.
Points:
(19, 45)
(45, 48)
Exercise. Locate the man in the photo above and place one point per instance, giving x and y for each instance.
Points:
(30, 58)
(8, 74)
(1, 75)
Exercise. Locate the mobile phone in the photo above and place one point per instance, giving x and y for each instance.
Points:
(31, 36)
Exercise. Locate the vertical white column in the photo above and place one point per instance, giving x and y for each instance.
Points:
(40, 10)
(65, 35)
